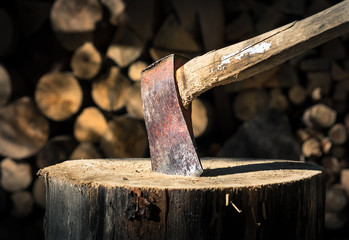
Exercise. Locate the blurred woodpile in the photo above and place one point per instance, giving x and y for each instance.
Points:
(70, 89)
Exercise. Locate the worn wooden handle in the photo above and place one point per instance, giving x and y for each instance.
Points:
(250, 57)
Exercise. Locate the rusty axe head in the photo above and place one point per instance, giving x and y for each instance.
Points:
(168, 123)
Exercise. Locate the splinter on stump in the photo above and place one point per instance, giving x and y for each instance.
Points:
(244, 199)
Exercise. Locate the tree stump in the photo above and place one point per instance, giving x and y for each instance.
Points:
(233, 199)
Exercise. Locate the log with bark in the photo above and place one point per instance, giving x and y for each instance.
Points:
(110, 92)
(90, 125)
(126, 47)
(85, 150)
(7, 29)
(15, 176)
(187, 13)
(173, 38)
(141, 17)
(338, 134)
(319, 116)
(39, 192)
(345, 180)
(336, 204)
(74, 21)
(297, 94)
(201, 117)
(86, 61)
(57, 150)
(23, 130)
(116, 10)
(124, 137)
(124, 199)
(135, 69)
(249, 103)
(338, 73)
(311, 147)
(5, 85)
(278, 100)
(134, 102)
(58, 95)
(22, 204)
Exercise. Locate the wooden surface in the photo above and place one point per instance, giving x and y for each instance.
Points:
(58, 95)
(250, 57)
(73, 22)
(24, 131)
(5, 85)
(110, 92)
(86, 61)
(124, 199)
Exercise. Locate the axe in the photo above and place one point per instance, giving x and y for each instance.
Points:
(170, 84)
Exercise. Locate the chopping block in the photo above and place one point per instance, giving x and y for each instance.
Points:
(233, 199)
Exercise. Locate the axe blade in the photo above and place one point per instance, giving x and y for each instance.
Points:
(168, 123)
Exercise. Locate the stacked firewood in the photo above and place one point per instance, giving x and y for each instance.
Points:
(70, 87)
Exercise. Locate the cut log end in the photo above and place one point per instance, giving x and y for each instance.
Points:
(23, 129)
(221, 173)
(58, 95)
(90, 125)
(124, 137)
(110, 93)
(86, 61)
(5, 85)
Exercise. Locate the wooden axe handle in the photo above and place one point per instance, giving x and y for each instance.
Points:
(250, 57)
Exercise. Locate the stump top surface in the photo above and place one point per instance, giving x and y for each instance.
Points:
(218, 173)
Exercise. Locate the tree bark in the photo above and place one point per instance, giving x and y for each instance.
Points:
(240, 199)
